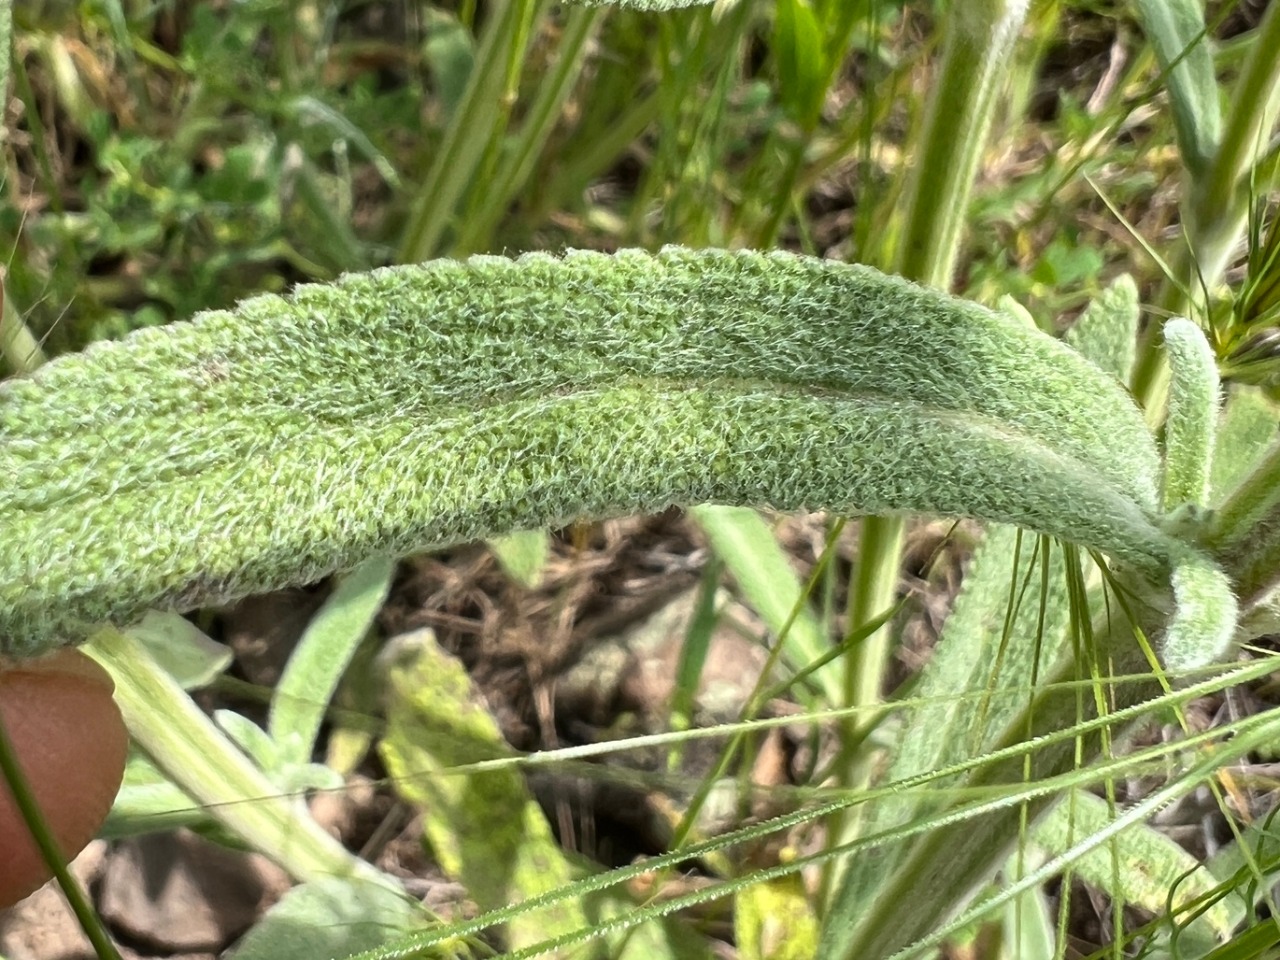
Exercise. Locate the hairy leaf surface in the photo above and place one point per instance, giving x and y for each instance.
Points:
(419, 406)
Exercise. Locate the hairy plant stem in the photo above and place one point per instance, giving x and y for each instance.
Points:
(977, 53)
(183, 741)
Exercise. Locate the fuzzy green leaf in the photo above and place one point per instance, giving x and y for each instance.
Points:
(1106, 332)
(419, 406)
(1193, 415)
(1204, 617)
(1151, 870)
(1250, 421)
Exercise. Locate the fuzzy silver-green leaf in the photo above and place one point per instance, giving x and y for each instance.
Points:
(417, 406)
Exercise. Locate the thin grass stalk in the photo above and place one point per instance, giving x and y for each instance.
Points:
(682, 177)
(477, 116)
(485, 172)
(595, 156)
(946, 867)
(11, 775)
(582, 25)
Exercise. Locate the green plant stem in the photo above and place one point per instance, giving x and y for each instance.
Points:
(475, 120)
(19, 347)
(185, 744)
(977, 52)
(1218, 205)
(11, 773)
(583, 23)
(779, 205)
(6, 42)
(874, 590)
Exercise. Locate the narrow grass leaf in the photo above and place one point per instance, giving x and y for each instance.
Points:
(317, 663)
(192, 658)
(980, 39)
(1176, 29)
(768, 581)
(802, 67)
(693, 653)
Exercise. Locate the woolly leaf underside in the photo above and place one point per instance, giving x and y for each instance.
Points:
(420, 406)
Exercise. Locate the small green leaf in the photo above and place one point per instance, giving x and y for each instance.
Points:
(333, 917)
(182, 648)
(1250, 422)
(311, 676)
(1106, 332)
(1203, 624)
(522, 555)
(775, 921)
(484, 828)
(197, 756)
